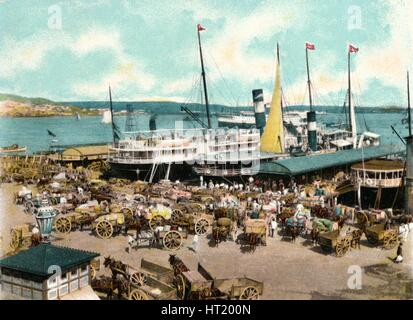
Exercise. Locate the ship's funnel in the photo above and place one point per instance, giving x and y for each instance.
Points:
(152, 123)
(409, 176)
(312, 130)
(259, 109)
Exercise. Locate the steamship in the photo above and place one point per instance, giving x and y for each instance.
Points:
(231, 152)
(181, 154)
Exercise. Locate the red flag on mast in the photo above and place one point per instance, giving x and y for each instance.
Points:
(309, 46)
(200, 27)
(352, 49)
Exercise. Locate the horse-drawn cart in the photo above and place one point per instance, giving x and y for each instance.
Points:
(76, 221)
(377, 234)
(256, 232)
(132, 284)
(22, 237)
(334, 241)
(200, 285)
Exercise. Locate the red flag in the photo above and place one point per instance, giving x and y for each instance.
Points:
(352, 49)
(200, 27)
(309, 46)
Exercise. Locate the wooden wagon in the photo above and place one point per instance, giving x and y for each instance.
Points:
(256, 232)
(21, 236)
(75, 221)
(132, 284)
(368, 218)
(333, 241)
(200, 285)
(169, 237)
(377, 234)
(196, 221)
(151, 289)
(161, 273)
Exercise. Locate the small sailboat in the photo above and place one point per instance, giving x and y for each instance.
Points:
(77, 116)
(107, 117)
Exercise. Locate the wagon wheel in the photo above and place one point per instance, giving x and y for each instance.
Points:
(63, 225)
(342, 247)
(176, 215)
(180, 287)
(390, 240)
(104, 229)
(172, 240)
(201, 226)
(15, 240)
(139, 278)
(127, 212)
(28, 206)
(249, 293)
(138, 294)
(92, 272)
(156, 221)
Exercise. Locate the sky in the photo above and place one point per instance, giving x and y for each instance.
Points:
(148, 50)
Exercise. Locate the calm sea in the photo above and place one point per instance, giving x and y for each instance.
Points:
(32, 132)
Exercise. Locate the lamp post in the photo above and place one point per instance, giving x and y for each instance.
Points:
(44, 218)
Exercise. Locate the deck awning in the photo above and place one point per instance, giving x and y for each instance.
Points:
(302, 165)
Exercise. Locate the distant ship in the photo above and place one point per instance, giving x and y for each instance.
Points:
(15, 148)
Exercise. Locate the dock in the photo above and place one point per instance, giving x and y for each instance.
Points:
(81, 153)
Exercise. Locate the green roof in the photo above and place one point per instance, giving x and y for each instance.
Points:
(37, 260)
(306, 164)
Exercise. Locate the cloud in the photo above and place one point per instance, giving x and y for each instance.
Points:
(29, 54)
(385, 61)
(96, 39)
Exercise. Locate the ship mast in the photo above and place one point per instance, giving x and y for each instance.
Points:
(111, 115)
(309, 80)
(409, 114)
(200, 28)
(349, 93)
(278, 60)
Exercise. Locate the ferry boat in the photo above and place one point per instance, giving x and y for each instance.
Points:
(181, 154)
(172, 154)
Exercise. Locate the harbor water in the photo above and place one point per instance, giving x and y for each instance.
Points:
(32, 132)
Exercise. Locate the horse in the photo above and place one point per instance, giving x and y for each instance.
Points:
(315, 233)
(356, 237)
(116, 267)
(292, 231)
(107, 286)
(177, 265)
